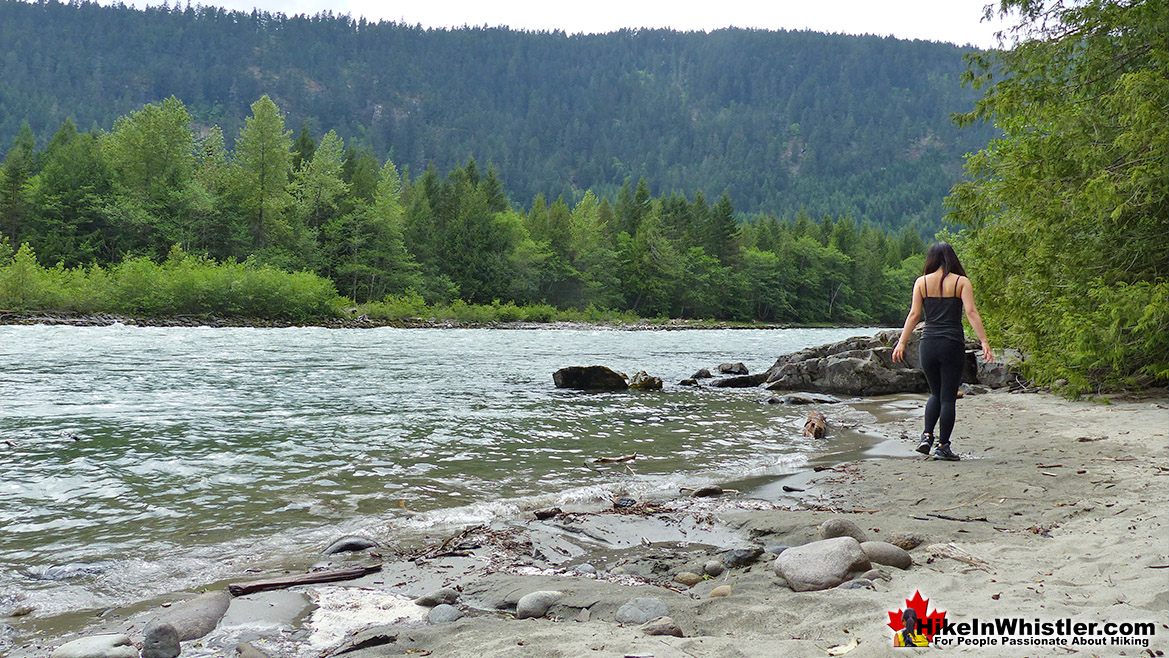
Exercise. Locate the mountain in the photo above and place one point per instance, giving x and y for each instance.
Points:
(833, 124)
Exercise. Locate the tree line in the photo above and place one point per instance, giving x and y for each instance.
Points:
(834, 124)
(315, 204)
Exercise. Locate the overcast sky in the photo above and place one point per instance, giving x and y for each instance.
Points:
(956, 21)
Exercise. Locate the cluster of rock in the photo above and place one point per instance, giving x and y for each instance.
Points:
(190, 620)
(602, 378)
(843, 554)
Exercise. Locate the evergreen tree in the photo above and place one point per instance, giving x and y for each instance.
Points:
(14, 175)
(263, 156)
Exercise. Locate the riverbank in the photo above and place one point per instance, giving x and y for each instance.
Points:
(1055, 512)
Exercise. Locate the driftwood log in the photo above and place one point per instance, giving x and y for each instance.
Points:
(816, 426)
(327, 576)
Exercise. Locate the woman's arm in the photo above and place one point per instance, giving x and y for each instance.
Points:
(911, 320)
(967, 292)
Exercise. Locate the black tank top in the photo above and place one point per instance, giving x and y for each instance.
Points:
(943, 315)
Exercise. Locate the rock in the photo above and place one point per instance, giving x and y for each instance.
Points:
(645, 382)
(443, 613)
(857, 583)
(742, 381)
(536, 604)
(713, 568)
(856, 366)
(246, 650)
(542, 514)
(687, 578)
(882, 552)
(803, 398)
(349, 545)
(441, 596)
(1000, 373)
(589, 378)
(585, 568)
(710, 491)
(906, 540)
(624, 502)
(720, 591)
(688, 382)
(195, 618)
(821, 564)
(841, 527)
(375, 636)
(97, 646)
(640, 610)
(741, 557)
(662, 626)
(702, 374)
(876, 574)
(161, 642)
(777, 549)
(732, 369)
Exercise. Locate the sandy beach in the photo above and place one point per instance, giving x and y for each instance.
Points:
(1057, 511)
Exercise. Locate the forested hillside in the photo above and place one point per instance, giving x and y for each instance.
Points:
(838, 125)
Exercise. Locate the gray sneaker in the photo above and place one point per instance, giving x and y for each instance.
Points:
(927, 442)
(944, 453)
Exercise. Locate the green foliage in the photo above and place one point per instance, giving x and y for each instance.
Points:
(1067, 216)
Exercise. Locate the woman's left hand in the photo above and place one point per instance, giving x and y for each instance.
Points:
(987, 353)
(899, 353)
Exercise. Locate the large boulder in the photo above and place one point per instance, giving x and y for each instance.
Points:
(740, 381)
(195, 618)
(822, 564)
(589, 378)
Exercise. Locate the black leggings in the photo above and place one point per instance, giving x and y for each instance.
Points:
(942, 360)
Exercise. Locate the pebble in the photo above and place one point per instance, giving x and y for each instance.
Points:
(713, 568)
(162, 641)
(688, 382)
(443, 613)
(906, 540)
(542, 514)
(876, 574)
(858, 583)
(350, 545)
(711, 491)
(97, 646)
(442, 596)
(741, 557)
(720, 591)
(640, 610)
(536, 604)
(623, 502)
(841, 527)
(662, 626)
(881, 552)
(687, 578)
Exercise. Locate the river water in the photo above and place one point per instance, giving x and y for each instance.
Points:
(139, 461)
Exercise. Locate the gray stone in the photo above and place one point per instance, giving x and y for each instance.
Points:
(687, 578)
(875, 575)
(161, 642)
(443, 613)
(710, 491)
(742, 381)
(195, 618)
(732, 369)
(375, 636)
(702, 374)
(741, 557)
(713, 568)
(596, 378)
(349, 545)
(640, 610)
(821, 564)
(438, 597)
(777, 549)
(688, 382)
(1002, 372)
(720, 591)
(662, 626)
(98, 646)
(585, 568)
(536, 604)
(841, 527)
(246, 650)
(856, 366)
(882, 552)
(907, 540)
(857, 583)
(803, 398)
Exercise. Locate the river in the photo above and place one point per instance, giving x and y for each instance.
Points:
(139, 461)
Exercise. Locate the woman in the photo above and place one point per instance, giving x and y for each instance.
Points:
(942, 292)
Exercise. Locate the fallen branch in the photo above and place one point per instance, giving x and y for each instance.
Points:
(952, 552)
(328, 576)
(615, 460)
(954, 518)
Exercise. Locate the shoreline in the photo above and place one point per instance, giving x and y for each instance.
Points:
(1058, 504)
(12, 318)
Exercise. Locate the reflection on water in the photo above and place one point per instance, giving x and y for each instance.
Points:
(141, 459)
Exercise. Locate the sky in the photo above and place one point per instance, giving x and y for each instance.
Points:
(955, 21)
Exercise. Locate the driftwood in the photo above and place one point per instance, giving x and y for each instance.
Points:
(816, 426)
(950, 550)
(328, 576)
(615, 460)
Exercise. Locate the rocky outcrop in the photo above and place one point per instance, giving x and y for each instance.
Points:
(645, 382)
(864, 366)
(589, 378)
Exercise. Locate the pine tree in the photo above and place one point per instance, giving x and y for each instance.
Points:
(263, 153)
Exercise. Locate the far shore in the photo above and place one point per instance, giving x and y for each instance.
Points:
(365, 322)
(1056, 511)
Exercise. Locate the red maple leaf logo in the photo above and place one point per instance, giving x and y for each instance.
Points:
(930, 623)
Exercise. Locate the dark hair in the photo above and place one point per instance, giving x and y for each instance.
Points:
(909, 618)
(942, 255)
